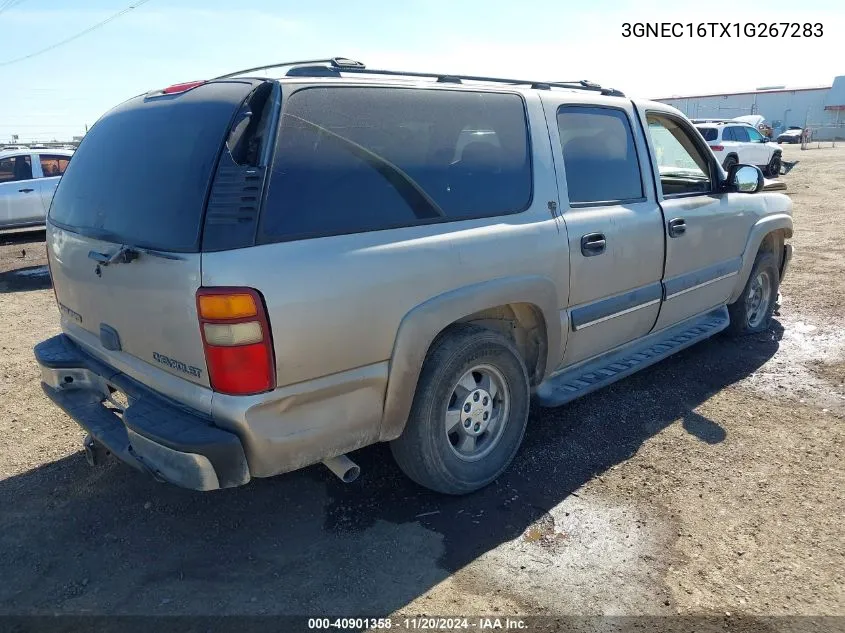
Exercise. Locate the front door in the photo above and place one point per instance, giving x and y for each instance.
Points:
(613, 223)
(706, 228)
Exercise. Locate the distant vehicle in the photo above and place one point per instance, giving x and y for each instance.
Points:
(735, 142)
(792, 135)
(11, 147)
(28, 179)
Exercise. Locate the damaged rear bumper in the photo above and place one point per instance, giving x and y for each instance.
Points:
(152, 434)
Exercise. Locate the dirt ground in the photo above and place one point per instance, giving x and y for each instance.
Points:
(712, 483)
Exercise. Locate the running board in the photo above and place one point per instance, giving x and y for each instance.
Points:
(604, 370)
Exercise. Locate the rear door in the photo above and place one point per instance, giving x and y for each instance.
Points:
(746, 153)
(614, 226)
(19, 201)
(137, 185)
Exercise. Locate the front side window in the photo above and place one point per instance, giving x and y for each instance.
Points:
(753, 135)
(15, 168)
(350, 160)
(598, 155)
(53, 165)
(684, 168)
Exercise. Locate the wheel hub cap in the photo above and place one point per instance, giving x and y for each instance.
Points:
(477, 412)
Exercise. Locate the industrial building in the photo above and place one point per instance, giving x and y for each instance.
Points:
(820, 108)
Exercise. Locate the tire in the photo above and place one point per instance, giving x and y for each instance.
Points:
(446, 461)
(752, 312)
(730, 161)
(773, 168)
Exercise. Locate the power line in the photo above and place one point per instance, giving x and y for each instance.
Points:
(5, 5)
(78, 35)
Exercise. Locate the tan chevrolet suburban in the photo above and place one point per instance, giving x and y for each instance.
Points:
(257, 274)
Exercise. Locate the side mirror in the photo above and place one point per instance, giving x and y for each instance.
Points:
(765, 139)
(745, 179)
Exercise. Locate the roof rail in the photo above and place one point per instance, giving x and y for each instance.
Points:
(337, 65)
(334, 62)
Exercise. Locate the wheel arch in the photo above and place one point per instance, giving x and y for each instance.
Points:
(525, 309)
(768, 234)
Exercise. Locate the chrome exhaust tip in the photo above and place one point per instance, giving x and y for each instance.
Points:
(344, 468)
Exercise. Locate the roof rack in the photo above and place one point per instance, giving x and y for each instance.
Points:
(335, 66)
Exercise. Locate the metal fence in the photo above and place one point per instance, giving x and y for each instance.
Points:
(819, 136)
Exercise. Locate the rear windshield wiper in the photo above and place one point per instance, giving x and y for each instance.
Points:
(123, 255)
(127, 254)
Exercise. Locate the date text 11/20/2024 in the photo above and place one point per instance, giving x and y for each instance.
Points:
(419, 624)
(722, 29)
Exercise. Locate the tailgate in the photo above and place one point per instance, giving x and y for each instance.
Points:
(125, 230)
(145, 308)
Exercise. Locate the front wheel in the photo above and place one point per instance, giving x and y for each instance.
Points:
(773, 168)
(469, 412)
(752, 312)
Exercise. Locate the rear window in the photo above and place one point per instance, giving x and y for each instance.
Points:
(709, 133)
(141, 174)
(350, 160)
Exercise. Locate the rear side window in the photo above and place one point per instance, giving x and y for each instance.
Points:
(15, 168)
(350, 160)
(53, 165)
(709, 133)
(598, 155)
(736, 133)
(141, 174)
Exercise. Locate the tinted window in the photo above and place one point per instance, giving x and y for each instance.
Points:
(53, 165)
(709, 133)
(15, 168)
(598, 155)
(739, 134)
(362, 159)
(684, 168)
(141, 173)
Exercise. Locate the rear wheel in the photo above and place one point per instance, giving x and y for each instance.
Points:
(469, 412)
(752, 312)
(730, 161)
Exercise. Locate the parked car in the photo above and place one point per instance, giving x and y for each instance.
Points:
(254, 275)
(28, 179)
(792, 135)
(733, 143)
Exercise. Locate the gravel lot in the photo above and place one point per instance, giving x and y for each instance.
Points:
(711, 483)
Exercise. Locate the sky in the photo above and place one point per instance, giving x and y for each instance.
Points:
(162, 42)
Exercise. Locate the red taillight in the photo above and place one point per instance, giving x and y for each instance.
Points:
(717, 148)
(183, 87)
(237, 341)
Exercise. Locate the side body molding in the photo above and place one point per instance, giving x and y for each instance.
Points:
(767, 224)
(421, 326)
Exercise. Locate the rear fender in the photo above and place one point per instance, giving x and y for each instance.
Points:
(420, 327)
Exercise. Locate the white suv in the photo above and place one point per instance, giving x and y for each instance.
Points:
(733, 142)
(28, 178)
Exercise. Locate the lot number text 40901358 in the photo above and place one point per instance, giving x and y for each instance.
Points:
(722, 29)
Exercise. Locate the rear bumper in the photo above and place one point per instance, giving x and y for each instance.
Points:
(154, 435)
